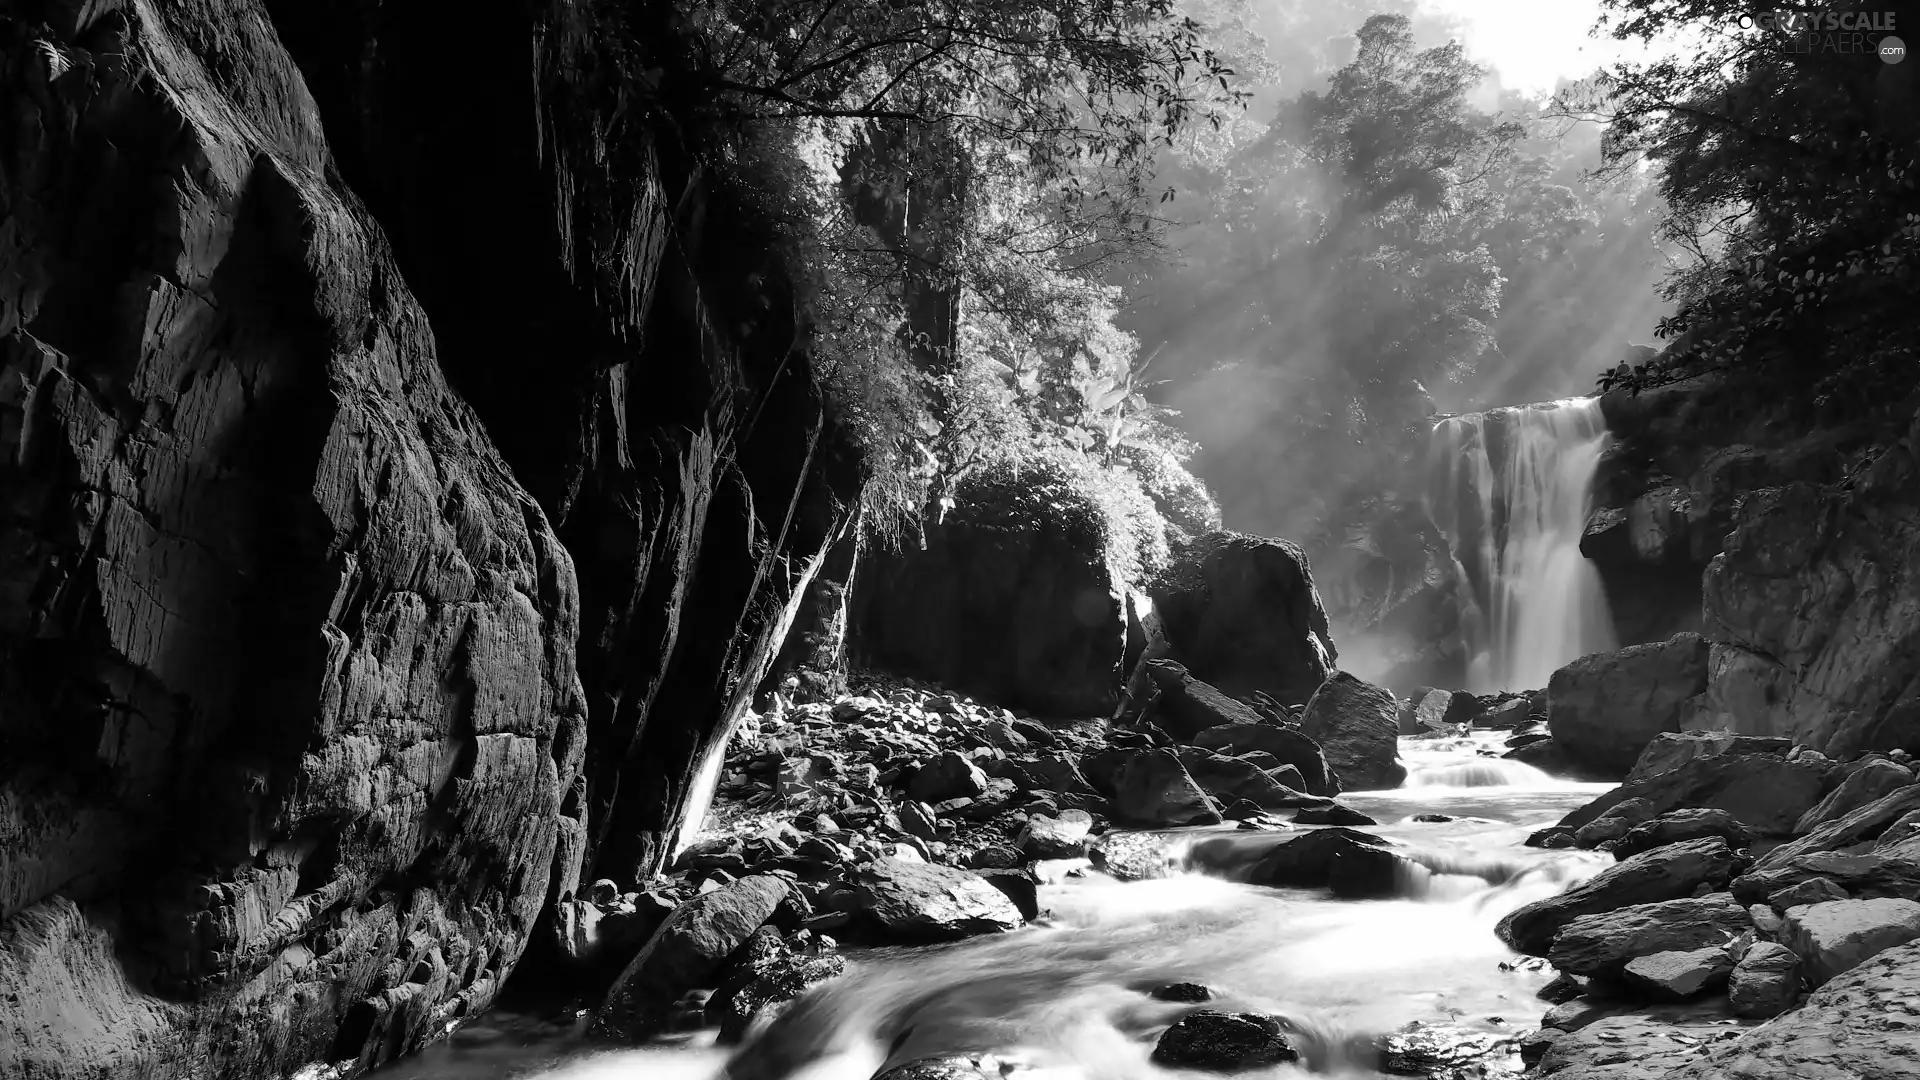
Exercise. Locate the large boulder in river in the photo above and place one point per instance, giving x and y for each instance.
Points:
(686, 952)
(1839, 935)
(920, 902)
(1151, 789)
(1605, 708)
(1671, 749)
(1211, 1041)
(1230, 779)
(1765, 792)
(1289, 746)
(1858, 827)
(1604, 943)
(1185, 706)
(1677, 825)
(1305, 860)
(1242, 613)
(1013, 597)
(1665, 873)
(1866, 782)
(1357, 726)
(1866, 874)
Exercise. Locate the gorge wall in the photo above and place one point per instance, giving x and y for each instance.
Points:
(401, 496)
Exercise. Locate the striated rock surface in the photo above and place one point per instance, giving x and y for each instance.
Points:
(1603, 944)
(1838, 935)
(1766, 981)
(1604, 709)
(686, 953)
(1665, 873)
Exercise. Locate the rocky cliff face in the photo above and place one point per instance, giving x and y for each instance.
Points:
(296, 744)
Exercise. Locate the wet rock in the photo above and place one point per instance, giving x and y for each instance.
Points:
(916, 819)
(686, 952)
(1552, 837)
(1438, 1050)
(1231, 779)
(1866, 875)
(1223, 1042)
(1575, 1013)
(1767, 793)
(1355, 724)
(1677, 976)
(1616, 823)
(1621, 1047)
(1242, 612)
(1191, 993)
(1766, 981)
(1605, 708)
(1056, 772)
(946, 1068)
(1839, 935)
(1306, 860)
(1186, 706)
(1665, 873)
(1868, 782)
(1434, 711)
(950, 775)
(1373, 873)
(1677, 825)
(1063, 837)
(1434, 819)
(1507, 716)
(1288, 745)
(1152, 789)
(914, 902)
(1018, 886)
(1604, 943)
(1671, 749)
(1766, 921)
(994, 857)
(1815, 890)
(1863, 1025)
(761, 979)
(1561, 989)
(1332, 815)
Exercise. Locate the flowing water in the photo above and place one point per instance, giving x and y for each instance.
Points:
(1064, 997)
(1512, 491)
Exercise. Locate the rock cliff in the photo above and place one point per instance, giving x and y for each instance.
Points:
(383, 458)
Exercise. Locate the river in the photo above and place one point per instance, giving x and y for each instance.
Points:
(1064, 999)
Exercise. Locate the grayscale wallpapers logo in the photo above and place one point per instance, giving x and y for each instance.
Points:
(1857, 32)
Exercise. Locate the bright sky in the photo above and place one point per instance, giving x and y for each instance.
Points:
(1532, 43)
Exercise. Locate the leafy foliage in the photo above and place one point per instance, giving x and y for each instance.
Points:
(1788, 162)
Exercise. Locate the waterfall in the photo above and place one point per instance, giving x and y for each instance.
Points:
(1511, 488)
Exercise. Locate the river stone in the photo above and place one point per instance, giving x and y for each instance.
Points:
(1184, 992)
(1765, 792)
(1604, 709)
(1679, 975)
(1814, 890)
(1865, 876)
(686, 952)
(1057, 773)
(950, 775)
(1153, 790)
(1137, 856)
(1869, 782)
(1677, 825)
(1839, 935)
(1356, 725)
(1604, 943)
(1223, 1042)
(757, 988)
(1671, 749)
(1288, 745)
(1063, 837)
(1665, 873)
(1230, 779)
(1857, 827)
(1624, 1047)
(1332, 815)
(915, 902)
(1371, 873)
(1616, 823)
(1863, 1025)
(1242, 611)
(1019, 886)
(1765, 982)
(1306, 860)
(957, 1067)
(1186, 706)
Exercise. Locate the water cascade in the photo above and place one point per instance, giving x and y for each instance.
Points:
(1512, 489)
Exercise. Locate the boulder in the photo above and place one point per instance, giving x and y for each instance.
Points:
(1229, 779)
(955, 1067)
(1242, 612)
(686, 952)
(1153, 790)
(1839, 935)
(1013, 596)
(1766, 981)
(1864, 1025)
(1868, 782)
(1619, 820)
(1430, 711)
(1184, 992)
(1019, 886)
(1665, 873)
(1223, 1042)
(950, 775)
(1374, 873)
(1671, 749)
(1059, 773)
(921, 902)
(1677, 976)
(1605, 708)
(763, 976)
(1288, 745)
(1332, 815)
(1355, 724)
(1627, 1046)
(1868, 874)
(1764, 792)
(1603, 944)
(1677, 825)
(1063, 837)
(1185, 706)
(1508, 716)
(1848, 830)
(1816, 890)
(1305, 860)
